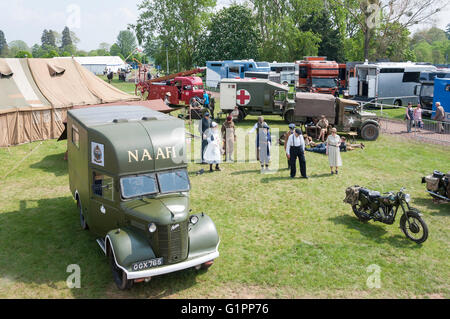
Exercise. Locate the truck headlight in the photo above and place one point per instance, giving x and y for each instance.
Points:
(407, 198)
(152, 227)
(193, 219)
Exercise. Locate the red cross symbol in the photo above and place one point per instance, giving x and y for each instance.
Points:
(243, 97)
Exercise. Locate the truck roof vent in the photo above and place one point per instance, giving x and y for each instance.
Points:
(120, 120)
(148, 118)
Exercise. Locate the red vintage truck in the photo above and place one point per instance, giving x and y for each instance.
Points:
(318, 75)
(182, 87)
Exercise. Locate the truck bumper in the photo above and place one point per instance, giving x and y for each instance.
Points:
(190, 262)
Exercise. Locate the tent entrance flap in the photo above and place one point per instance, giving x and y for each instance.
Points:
(5, 70)
(54, 69)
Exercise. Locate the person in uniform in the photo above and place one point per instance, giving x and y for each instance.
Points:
(288, 133)
(323, 125)
(166, 98)
(229, 137)
(204, 125)
(235, 113)
(212, 150)
(295, 148)
(333, 150)
(263, 146)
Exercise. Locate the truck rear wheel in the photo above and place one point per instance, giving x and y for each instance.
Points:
(289, 116)
(370, 132)
(119, 276)
(83, 222)
(241, 115)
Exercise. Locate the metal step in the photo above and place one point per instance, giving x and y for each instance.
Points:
(101, 243)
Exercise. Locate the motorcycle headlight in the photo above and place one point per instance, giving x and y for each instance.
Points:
(193, 219)
(407, 198)
(152, 227)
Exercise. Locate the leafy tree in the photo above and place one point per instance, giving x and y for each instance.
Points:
(17, 46)
(447, 31)
(81, 53)
(126, 41)
(115, 50)
(232, 34)
(66, 38)
(48, 38)
(176, 24)
(3, 45)
(104, 46)
(23, 54)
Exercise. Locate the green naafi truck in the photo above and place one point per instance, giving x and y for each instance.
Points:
(128, 175)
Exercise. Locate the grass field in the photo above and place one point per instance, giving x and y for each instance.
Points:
(280, 238)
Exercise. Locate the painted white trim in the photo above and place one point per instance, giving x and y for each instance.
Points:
(165, 269)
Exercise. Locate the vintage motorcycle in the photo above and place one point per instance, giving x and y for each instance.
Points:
(368, 204)
(438, 185)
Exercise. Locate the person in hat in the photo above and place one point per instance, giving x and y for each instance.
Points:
(288, 133)
(212, 151)
(229, 137)
(263, 144)
(166, 98)
(204, 125)
(323, 125)
(295, 148)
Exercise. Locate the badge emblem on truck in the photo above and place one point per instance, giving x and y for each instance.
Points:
(174, 227)
(97, 151)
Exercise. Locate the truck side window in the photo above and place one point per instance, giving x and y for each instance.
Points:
(303, 72)
(75, 137)
(102, 185)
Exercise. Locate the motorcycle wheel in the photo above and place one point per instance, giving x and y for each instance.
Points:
(417, 230)
(360, 212)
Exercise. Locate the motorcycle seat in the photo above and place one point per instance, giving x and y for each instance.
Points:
(371, 194)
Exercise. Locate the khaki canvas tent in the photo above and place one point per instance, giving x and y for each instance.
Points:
(36, 93)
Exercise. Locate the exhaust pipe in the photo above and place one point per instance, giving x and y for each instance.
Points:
(440, 196)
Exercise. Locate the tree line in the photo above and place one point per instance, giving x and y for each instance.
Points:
(54, 44)
(191, 32)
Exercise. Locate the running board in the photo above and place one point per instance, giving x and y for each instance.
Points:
(101, 243)
(440, 196)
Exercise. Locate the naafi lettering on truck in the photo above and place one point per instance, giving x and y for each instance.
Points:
(144, 154)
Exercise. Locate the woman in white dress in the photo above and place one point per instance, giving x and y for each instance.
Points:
(333, 152)
(212, 153)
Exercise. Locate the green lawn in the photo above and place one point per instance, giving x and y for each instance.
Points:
(128, 87)
(279, 237)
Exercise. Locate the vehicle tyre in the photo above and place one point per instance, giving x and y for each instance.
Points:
(370, 132)
(286, 83)
(398, 102)
(289, 116)
(119, 276)
(241, 115)
(83, 222)
(413, 230)
(360, 212)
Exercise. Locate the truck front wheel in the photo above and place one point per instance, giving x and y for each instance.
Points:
(370, 132)
(119, 276)
(289, 116)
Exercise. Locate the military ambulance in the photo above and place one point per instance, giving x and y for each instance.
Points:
(254, 97)
(128, 175)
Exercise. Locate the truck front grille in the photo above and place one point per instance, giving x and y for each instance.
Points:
(173, 242)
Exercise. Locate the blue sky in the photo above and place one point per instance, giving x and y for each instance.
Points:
(94, 21)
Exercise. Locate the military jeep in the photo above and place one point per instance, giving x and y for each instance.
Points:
(345, 115)
(128, 175)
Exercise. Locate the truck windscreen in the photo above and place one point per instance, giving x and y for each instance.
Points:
(139, 185)
(174, 181)
(323, 83)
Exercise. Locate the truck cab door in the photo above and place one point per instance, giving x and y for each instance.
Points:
(372, 82)
(103, 216)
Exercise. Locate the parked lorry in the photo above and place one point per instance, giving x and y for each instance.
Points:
(425, 90)
(128, 175)
(442, 95)
(345, 115)
(317, 75)
(180, 88)
(254, 97)
(391, 83)
(229, 69)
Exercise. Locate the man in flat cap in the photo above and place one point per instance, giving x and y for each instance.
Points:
(288, 133)
(295, 147)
